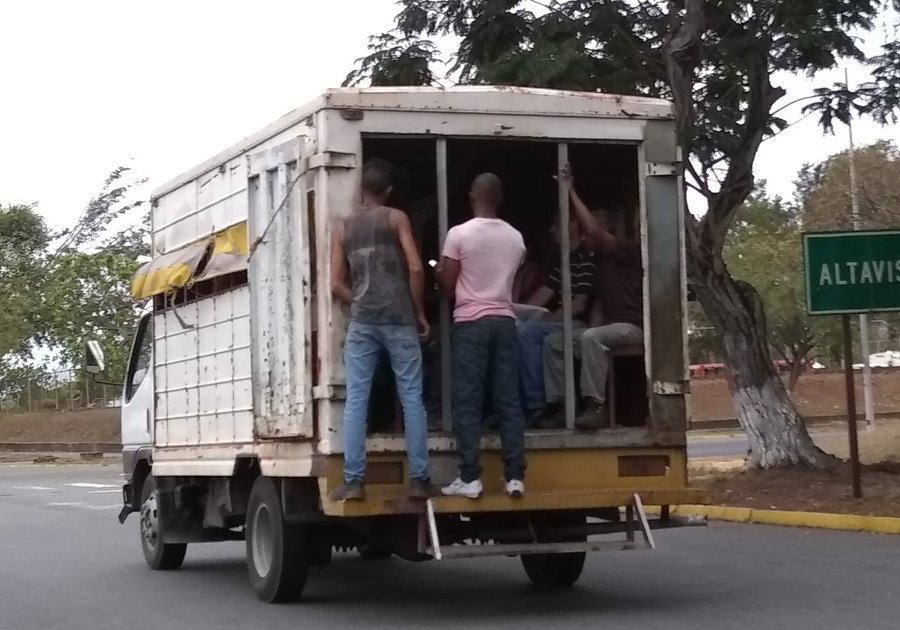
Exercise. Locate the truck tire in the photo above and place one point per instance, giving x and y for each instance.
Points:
(160, 555)
(278, 554)
(550, 571)
(370, 551)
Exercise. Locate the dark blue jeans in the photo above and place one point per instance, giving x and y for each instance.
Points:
(486, 362)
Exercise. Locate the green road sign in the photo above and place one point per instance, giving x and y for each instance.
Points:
(852, 272)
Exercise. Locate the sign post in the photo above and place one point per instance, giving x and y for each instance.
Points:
(851, 409)
(849, 273)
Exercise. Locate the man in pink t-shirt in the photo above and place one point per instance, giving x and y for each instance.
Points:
(478, 267)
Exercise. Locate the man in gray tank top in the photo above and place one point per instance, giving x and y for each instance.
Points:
(386, 298)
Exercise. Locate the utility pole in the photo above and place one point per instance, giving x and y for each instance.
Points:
(863, 318)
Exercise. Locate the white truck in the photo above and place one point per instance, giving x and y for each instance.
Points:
(231, 422)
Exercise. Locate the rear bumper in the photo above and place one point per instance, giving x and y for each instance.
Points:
(387, 500)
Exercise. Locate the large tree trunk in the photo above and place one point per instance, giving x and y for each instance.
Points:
(774, 429)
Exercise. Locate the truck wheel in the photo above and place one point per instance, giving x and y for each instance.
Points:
(370, 551)
(160, 555)
(550, 571)
(278, 555)
(556, 570)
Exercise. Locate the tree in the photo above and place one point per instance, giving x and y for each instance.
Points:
(823, 197)
(23, 241)
(763, 249)
(87, 292)
(61, 289)
(824, 189)
(716, 61)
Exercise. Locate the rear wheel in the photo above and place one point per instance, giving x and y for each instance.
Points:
(160, 555)
(375, 551)
(553, 570)
(278, 556)
(550, 571)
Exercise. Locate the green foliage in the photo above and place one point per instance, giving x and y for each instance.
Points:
(825, 196)
(764, 249)
(23, 241)
(63, 289)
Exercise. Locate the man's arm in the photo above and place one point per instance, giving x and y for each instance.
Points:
(400, 223)
(589, 223)
(579, 306)
(448, 274)
(339, 288)
(542, 296)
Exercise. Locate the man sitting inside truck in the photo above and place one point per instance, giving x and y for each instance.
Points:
(533, 332)
(478, 267)
(620, 292)
(386, 298)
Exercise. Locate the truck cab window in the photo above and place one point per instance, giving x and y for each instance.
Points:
(139, 363)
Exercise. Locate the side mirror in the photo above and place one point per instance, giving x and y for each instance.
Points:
(94, 362)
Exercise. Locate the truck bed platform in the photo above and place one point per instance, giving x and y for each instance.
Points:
(392, 499)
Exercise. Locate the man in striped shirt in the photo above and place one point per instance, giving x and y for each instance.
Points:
(582, 266)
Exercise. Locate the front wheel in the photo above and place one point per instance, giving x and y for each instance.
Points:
(160, 555)
(278, 555)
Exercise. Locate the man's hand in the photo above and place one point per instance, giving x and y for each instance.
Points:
(565, 177)
(423, 327)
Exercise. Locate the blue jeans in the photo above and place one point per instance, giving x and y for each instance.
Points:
(362, 347)
(486, 356)
(531, 362)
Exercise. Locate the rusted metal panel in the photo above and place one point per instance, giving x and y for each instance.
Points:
(202, 375)
(499, 99)
(279, 290)
(664, 271)
(509, 126)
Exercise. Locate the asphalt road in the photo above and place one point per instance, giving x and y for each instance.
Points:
(68, 565)
(731, 446)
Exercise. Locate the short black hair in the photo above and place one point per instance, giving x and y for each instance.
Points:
(488, 187)
(377, 177)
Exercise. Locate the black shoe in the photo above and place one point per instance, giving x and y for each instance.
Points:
(549, 417)
(353, 491)
(421, 489)
(594, 418)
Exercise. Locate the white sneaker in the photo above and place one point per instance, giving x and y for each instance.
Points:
(460, 488)
(515, 488)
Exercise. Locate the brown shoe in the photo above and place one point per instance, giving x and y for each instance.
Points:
(353, 491)
(594, 418)
(421, 489)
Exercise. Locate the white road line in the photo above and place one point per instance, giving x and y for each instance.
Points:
(85, 484)
(83, 506)
(116, 491)
(42, 488)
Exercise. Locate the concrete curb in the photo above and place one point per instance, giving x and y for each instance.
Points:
(821, 520)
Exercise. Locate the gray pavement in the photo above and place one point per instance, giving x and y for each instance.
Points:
(68, 565)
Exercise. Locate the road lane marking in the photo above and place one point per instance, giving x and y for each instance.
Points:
(85, 484)
(116, 491)
(83, 506)
(42, 488)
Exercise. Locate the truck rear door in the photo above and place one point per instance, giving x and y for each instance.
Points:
(279, 276)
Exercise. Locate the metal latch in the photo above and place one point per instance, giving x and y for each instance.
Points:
(660, 169)
(331, 159)
(329, 392)
(671, 388)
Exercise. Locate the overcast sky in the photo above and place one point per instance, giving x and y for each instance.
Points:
(162, 85)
